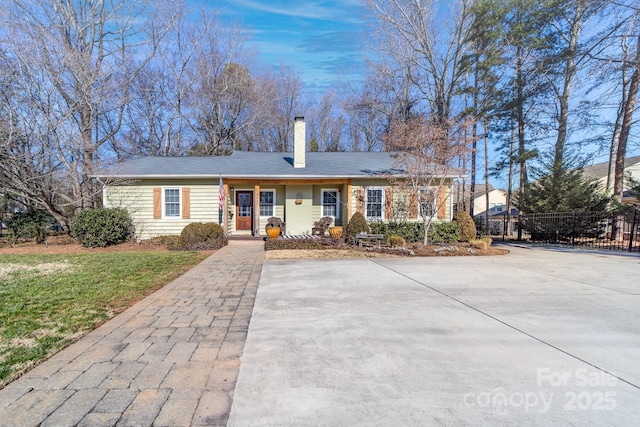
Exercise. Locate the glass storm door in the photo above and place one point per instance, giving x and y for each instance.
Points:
(244, 210)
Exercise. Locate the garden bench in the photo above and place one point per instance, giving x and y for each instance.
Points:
(369, 240)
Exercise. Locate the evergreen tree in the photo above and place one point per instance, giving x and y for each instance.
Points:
(562, 190)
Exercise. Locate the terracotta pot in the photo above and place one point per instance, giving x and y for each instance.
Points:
(335, 232)
(273, 232)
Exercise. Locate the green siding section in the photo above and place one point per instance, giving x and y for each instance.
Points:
(299, 218)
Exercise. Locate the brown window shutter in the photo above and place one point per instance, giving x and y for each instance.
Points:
(360, 200)
(157, 203)
(186, 202)
(442, 203)
(388, 202)
(413, 206)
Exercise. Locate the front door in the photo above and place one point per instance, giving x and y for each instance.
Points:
(244, 210)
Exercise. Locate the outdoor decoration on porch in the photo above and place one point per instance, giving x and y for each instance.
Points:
(272, 231)
(335, 231)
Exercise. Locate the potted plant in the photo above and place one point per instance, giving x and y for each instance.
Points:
(335, 231)
(272, 231)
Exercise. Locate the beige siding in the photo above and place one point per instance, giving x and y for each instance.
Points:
(382, 183)
(280, 197)
(138, 200)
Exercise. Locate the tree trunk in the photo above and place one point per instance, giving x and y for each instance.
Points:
(522, 159)
(565, 95)
(627, 120)
(486, 173)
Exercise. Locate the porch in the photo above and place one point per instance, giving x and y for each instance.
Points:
(299, 203)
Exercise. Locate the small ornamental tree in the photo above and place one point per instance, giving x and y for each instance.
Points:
(427, 154)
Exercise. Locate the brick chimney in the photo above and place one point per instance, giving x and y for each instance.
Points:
(299, 142)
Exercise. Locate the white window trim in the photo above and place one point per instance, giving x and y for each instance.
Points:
(434, 207)
(164, 205)
(322, 190)
(273, 213)
(366, 201)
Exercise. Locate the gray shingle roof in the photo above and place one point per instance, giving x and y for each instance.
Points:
(600, 170)
(258, 165)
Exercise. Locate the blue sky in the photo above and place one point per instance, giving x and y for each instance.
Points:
(320, 39)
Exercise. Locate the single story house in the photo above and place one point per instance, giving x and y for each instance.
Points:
(243, 190)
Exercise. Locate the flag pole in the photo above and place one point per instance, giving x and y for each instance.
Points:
(221, 199)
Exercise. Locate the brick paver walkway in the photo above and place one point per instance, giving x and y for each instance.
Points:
(170, 360)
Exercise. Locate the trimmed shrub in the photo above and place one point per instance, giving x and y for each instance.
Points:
(102, 227)
(410, 231)
(322, 243)
(488, 240)
(466, 225)
(31, 224)
(357, 224)
(480, 244)
(396, 241)
(202, 236)
(444, 232)
(171, 241)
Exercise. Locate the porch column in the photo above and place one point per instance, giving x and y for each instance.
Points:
(349, 198)
(256, 210)
(225, 209)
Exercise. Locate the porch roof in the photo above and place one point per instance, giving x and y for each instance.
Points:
(254, 165)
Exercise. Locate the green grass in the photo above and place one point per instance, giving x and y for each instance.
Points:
(49, 301)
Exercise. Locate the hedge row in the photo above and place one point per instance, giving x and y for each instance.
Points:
(276, 244)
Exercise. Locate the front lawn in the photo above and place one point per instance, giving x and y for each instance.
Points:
(49, 301)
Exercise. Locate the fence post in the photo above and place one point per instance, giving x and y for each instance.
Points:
(632, 232)
(573, 231)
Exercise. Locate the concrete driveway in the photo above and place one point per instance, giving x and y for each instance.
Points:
(535, 337)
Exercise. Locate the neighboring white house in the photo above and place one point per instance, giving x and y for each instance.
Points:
(600, 171)
(497, 199)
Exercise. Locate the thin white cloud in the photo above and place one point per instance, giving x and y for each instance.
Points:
(309, 10)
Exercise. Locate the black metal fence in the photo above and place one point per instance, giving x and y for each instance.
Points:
(601, 230)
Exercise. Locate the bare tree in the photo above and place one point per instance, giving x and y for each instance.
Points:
(73, 64)
(431, 52)
(287, 102)
(386, 95)
(228, 100)
(158, 117)
(327, 123)
(428, 154)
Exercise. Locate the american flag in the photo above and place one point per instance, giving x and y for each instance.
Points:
(221, 186)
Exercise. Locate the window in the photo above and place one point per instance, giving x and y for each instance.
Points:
(427, 203)
(172, 202)
(374, 203)
(267, 203)
(331, 203)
